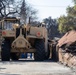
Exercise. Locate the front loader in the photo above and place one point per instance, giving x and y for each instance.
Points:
(20, 38)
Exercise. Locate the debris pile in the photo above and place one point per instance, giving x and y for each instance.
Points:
(66, 48)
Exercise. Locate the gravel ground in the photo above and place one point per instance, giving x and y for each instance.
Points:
(34, 68)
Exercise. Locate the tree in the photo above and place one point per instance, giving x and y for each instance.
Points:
(68, 22)
(17, 8)
(71, 11)
(27, 12)
(52, 27)
(74, 1)
(23, 11)
(5, 8)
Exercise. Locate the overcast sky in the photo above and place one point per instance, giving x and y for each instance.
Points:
(53, 8)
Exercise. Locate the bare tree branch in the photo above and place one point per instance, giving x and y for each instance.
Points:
(11, 13)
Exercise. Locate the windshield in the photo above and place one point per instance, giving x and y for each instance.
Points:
(8, 25)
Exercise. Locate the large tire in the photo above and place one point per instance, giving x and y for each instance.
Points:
(54, 53)
(5, 51)
(15, 56)
(48, 52)
(40, 50)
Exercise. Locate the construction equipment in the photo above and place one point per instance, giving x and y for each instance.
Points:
(23, 39)
(53, 51)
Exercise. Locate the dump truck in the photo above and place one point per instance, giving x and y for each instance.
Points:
(23, 38)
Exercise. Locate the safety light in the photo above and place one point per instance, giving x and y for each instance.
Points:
(3, 33)
(17, 25)
(38, 34)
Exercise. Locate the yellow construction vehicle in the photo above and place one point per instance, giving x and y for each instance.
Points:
(21, 38)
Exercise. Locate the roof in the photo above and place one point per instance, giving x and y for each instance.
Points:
(68, 38)
(11, 18)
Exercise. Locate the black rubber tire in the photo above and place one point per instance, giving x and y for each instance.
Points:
(48, 52)
(54, 53)
(14, 56)
(5, 51)
(40, 50)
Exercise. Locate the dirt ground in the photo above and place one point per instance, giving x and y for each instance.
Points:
(30, 67)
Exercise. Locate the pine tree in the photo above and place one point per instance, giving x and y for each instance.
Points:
(23, 11)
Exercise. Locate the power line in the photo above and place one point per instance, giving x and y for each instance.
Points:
(49, 6)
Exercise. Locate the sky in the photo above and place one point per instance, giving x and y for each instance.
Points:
(53, 8)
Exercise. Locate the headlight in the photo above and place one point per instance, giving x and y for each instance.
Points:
(17, 25)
